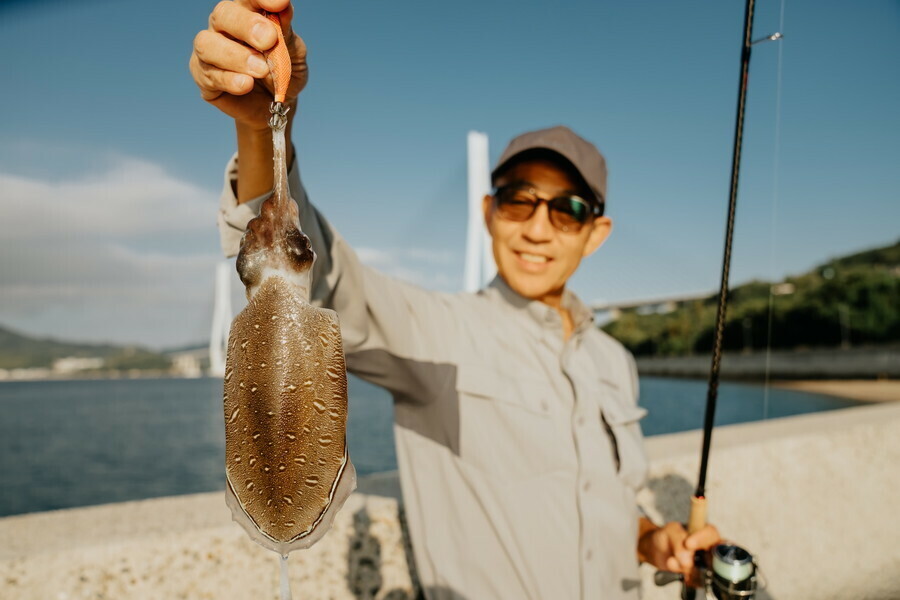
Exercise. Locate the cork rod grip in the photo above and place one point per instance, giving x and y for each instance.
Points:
(279, 61)
(697, 519)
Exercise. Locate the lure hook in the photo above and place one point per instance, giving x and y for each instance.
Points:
(279, 111)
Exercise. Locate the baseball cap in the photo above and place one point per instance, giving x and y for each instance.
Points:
(583, 155)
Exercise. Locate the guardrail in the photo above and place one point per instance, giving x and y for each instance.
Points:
(849, 363)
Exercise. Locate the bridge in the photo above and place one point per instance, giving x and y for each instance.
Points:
(610, 311)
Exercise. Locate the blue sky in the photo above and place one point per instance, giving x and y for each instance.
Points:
(111, 165)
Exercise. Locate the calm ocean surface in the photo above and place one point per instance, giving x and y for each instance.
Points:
(78, 443)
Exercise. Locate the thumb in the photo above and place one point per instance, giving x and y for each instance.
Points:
(704, 539)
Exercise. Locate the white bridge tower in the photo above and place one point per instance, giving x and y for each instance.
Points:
(480, 267)
(221, 322)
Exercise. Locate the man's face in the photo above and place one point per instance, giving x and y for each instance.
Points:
(534, 257)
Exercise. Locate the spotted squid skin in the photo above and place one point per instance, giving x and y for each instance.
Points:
(285, 413)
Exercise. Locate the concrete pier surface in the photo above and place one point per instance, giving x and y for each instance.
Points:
(814, 497)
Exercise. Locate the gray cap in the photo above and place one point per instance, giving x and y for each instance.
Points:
(583, 155)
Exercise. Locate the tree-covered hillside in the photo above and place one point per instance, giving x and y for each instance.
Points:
(853, 299)
(21, 351)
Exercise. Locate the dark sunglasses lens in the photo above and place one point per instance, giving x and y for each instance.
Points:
(567, 213)
(570, 212)
(515, 206)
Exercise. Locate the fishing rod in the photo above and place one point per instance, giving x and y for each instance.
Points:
(732, 572)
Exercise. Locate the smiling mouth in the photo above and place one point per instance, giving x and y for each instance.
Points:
(533, 258)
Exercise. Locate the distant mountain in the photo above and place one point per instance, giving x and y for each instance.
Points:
(18, 351)
(888, 256)
(196, 346)
(848, 300)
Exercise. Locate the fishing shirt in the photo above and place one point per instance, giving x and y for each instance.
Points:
(520, 453)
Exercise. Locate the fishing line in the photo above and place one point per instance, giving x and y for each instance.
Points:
(776, 161)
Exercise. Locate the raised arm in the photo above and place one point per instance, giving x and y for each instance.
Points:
(229, 67)
(388, 327)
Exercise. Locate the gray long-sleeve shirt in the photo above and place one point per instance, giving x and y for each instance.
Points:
(520, 452)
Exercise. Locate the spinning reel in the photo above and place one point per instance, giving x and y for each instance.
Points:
(732, 575)
(729, 573)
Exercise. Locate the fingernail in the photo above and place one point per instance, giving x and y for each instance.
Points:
(262, 34)
(257, 65)
(242, 82)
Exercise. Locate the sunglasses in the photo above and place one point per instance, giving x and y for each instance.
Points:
(567, 213)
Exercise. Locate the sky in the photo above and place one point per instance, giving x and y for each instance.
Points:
(111, 165)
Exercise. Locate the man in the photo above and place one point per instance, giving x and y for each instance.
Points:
(517, 430)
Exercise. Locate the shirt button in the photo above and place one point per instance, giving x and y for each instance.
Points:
(544, 406)
(586, 486)
(581, 420)
(588, 555)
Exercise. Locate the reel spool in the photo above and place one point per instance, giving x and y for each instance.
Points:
(733, 574)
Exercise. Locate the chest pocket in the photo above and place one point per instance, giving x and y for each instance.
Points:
(622, 420)
(507, 429)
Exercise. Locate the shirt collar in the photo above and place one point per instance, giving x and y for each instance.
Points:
(543, 314)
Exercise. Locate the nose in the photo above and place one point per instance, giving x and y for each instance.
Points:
(538, 227)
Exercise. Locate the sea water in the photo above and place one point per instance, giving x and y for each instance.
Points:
(77, 443)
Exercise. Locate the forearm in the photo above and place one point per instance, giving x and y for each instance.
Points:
(255, 167)
(337, 278)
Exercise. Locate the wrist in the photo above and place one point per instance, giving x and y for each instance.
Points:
(255, 157)
(255, 170)
(253, 131)
(646, 529)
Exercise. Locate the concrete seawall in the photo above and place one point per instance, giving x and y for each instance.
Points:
(814, 497)
(850, 363)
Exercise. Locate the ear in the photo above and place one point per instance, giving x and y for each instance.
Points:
(487, 207)
(600, 231)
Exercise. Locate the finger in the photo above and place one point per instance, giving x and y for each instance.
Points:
(676, 535)
(219, 51)
(703, 539)
(672, 565)
(267, 5)
(243, 24)
(284, 9)
(214, 81)
(201, 79)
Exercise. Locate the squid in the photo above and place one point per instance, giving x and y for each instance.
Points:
(287, 467)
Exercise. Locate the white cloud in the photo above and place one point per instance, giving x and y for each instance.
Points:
(126, 254)
(425, 267)
(133, 198)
